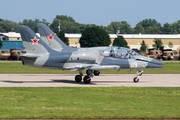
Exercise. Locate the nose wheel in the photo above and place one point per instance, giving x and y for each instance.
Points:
(136, 79)
(139, 73)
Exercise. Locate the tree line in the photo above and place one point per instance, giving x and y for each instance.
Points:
(92, 36)
(69, 25)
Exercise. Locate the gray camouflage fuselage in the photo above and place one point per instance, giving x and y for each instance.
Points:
(58, 45)
(41, 55)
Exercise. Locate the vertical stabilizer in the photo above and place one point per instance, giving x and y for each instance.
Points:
(32, 43)
(50, 38)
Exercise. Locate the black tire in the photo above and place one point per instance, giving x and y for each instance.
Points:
(87, 72)
(78, 78)
(136, 79)
(87, 79)
(96, 72)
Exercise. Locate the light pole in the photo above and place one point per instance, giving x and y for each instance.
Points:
(59, 25)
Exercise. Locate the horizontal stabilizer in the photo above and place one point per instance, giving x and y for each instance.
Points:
(28, 56)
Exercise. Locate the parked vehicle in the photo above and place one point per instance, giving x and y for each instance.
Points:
(176, 55)
(167, 54)
(4, 54)
(163, 54)
(15, 54)
(152, 53)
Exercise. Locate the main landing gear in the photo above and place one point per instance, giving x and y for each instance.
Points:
(139, 73)
(87, 78)
(96, 72)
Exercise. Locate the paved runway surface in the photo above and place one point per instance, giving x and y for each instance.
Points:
(104, 80)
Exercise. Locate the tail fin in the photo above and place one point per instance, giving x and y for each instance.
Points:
(32, 43)
(50, 38)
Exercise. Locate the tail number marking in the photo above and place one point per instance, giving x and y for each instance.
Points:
(134, 65)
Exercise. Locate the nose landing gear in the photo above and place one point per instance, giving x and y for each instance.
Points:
(139, 73)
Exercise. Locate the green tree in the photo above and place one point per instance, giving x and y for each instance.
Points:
(158, 43)
(175, 27)
(0, 43)
(6, 26)
(67, 24)
(32, 23)
(123, 26)
(175, 32)
(114, 25)
(151, 26)
(170, 44)
(2, 30)
(143, 46)
(167, 28)
(62, 37)
(139, 29)
(65, 18)
(120, 41)
(109, 29)
(94, 37)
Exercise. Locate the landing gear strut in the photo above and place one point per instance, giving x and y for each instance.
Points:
(139, 73)
(96, 72)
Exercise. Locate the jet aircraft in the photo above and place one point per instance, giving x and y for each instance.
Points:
(53, 41)
(40, 55)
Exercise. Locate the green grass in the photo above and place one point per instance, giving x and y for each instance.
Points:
(18, 68)
(89, 102)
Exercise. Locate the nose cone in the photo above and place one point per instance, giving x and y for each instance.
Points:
(143, 58)
(157, 62)
(153, 66)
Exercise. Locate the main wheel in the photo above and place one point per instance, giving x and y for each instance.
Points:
(136, 79)
(96, 72)
(78, 78)
(87, 79)
(88, 72)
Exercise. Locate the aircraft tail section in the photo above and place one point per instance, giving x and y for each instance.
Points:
(50, 38)
(32, 43)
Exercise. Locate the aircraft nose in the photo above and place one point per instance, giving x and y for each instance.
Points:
(157, 62)
(153, 65)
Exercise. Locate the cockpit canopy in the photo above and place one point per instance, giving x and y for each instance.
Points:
(118, 53)
(132, 52)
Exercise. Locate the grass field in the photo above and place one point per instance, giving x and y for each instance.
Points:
(87, 102)
(18, 68)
